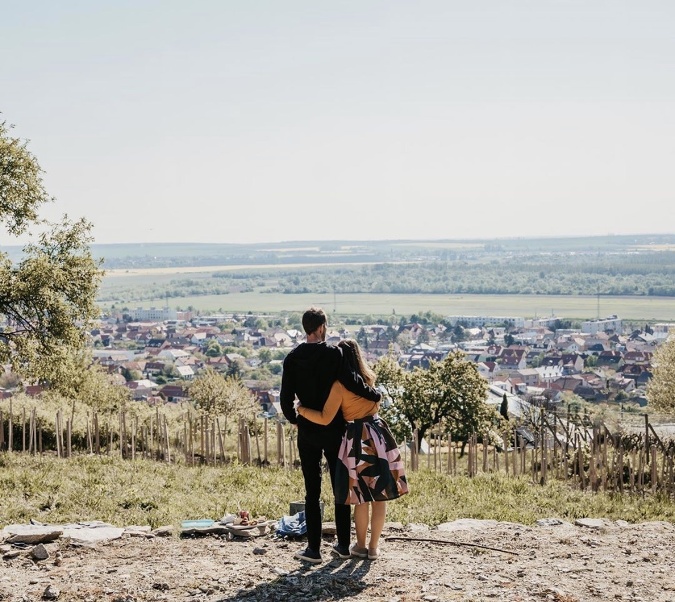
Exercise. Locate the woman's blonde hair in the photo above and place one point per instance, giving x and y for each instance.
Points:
(353, 355)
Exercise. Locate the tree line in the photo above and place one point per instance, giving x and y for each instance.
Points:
(516, 276)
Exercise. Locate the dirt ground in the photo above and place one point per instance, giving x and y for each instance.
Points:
(464, 560)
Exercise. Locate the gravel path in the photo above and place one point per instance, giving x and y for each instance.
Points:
(464, 560)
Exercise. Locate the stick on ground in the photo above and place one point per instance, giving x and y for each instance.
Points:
(450, 543)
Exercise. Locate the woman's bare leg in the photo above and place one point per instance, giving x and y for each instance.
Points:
(361, 515)
(377, 517)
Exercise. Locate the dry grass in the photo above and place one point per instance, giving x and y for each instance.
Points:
(123, 492)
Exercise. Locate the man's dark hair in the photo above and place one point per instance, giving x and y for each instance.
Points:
(313, 318)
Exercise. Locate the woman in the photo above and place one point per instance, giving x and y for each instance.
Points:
(370, 470)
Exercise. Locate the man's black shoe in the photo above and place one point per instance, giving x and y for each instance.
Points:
(308, 556)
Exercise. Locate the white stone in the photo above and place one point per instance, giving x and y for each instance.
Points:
(31, 534)
(467, 524)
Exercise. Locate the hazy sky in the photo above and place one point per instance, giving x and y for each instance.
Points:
(255, 121)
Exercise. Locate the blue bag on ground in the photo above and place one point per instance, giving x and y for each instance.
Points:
(294, 526)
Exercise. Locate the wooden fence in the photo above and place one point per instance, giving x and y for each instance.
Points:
(589, 455)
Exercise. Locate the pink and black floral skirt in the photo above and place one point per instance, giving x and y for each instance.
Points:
(369, 467)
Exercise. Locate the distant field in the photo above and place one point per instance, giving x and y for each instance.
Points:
(636, 308)
(210, 269)
(628, 308)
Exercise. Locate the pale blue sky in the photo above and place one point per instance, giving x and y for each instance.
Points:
(254, 121)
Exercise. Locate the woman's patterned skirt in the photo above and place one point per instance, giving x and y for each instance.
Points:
(369, 467)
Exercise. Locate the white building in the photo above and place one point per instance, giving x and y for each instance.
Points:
(480, 321)
(159, 314)
(612, 323)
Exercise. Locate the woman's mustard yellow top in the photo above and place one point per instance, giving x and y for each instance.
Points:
(353, 406)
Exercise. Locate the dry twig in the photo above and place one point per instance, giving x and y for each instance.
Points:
(450, 543)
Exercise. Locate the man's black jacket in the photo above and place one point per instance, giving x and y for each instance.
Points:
(309, 373)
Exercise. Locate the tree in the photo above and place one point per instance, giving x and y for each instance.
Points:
(75, 377)
(458, 333)
(48, 297)
(661, 387)
(265, 355)
(213, 349)
(450, 393)
(211, 392)
(236, 369)
(504, 407)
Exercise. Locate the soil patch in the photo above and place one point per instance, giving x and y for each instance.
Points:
(463, 560)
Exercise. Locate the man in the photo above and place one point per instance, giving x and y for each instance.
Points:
(309, 373)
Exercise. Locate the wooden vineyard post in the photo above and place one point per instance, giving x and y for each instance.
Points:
(620, 466)
(257, 441)
(544, 453)
(193, 426)
(592, 477)
(506, 453)
(186, 449)
(536, 461)
(207, 442)
(664, 472)
(454, 459)
(57, 430)
(214, 450)
(556, 445)
(125, 435)
(97, 434)
(429, 453)
(280, 444)
(405, 453)
(439, 445)
(265, 438)
(449, 458)
(415, 455)
(119, 434)
(604, 460)
(565, 454)
(133, 439)
(35, 431)
(69, 434)
(290, 449)
(221, 441)
(23, 429)
(473, 455)
(580, 462)
(32, 438)
(166, 440)
(10, 432)
(89, 439)
(2, 431)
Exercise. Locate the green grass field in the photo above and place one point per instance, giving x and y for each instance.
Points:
(627, 308)
(123, 492)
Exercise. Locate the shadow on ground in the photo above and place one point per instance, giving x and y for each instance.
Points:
(336, 580)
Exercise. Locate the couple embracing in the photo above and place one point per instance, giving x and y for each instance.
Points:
(337, 419)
